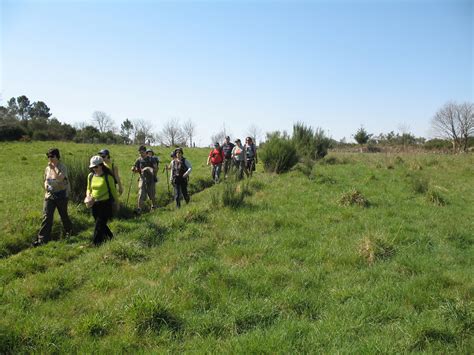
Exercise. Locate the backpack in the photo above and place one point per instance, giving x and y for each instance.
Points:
(106, 176)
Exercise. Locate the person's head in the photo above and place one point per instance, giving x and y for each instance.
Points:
(142, 151)
(104, 153)
(96, 164)
(248, 140)
(238, 142)
(150, 152)
(53, 154)
(217, 145)
(178, 152)
(227, 139)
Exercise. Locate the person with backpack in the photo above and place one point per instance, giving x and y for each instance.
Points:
(156, 161)
(238, 156)
(250, 156)
(227, 149)
(145, 166)
(216, 157)
(102, 194)
(180, 170)
(105, 154)
(56, 186)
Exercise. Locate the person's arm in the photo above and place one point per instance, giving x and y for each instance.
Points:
(188, 165)
(117, 178)
(89, 187)
(209, 159)
(113, 190)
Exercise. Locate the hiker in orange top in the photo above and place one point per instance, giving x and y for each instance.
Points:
(216, 157)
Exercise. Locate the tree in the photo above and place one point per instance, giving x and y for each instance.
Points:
(255, 133)
(126, 129)
(102, 121)
(24, 106)
(39, 110)
(455, 122)
(219, 137)
(142, 131)
(172, 135)
(361, 136)
(189, 130)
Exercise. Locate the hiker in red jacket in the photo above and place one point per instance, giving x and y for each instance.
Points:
(216, 157)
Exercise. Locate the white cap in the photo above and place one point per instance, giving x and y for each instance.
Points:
(96, 160)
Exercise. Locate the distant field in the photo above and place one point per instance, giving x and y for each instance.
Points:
(359, 253)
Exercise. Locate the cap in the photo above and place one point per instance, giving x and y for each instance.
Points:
(179, 149)
(227, 137)
(149, 150)
(96, 160)
(104, 152)
(142, 148)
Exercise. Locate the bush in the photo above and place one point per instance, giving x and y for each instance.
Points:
(353, 197)
(11, 132)
(278, 155)
(77, 171)
(309, 143)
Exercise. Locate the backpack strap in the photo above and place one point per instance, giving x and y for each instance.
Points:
(106, 176)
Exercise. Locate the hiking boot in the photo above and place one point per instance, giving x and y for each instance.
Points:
(38, 243)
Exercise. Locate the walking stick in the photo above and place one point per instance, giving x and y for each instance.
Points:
(129, 188)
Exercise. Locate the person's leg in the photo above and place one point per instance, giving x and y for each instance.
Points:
(177, 193)
(151, 189)
(218, 172)
(142, 193)
(62, 209)
(184, 190)
(44, 234)
(100, 216)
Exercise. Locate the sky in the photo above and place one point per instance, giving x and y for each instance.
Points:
(338, 65)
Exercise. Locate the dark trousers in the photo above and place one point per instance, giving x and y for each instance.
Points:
(49, 206)
(227, 166)
(180, 189)
(102, 212)
(240, 168)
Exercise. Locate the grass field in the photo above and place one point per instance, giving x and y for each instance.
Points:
(360, 253)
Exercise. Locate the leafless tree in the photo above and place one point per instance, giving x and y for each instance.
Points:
(218, 137)
(142, 132)
(255, 133)
(102, 121)
(172, 135)
(455, 122)
(189, 129)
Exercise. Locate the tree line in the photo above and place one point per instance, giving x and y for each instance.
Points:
(21, 119)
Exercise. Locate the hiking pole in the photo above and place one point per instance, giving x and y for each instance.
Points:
(129, 188)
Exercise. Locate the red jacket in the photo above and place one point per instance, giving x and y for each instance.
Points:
(217, 156)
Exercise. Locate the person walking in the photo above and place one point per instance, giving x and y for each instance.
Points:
(250, 156)
(105, 154)
(238, 156)
(145, 166)
(216, 157)
(155, 161)
(101, 190)
(180, 170)
(56, 186)
(227, 149)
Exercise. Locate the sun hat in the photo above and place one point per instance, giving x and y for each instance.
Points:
(96, 160)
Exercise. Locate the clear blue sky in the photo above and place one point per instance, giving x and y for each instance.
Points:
(331, 64)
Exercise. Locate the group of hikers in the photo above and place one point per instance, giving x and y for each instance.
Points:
(104, 184)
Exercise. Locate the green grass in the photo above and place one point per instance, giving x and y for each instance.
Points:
(276, 264)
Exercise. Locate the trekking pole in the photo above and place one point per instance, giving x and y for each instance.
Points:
(129, 188)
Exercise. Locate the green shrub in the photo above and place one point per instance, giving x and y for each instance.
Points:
(434, 197)
(278, 155)
(78, 170)
(353, 197)
(309, 143)
(419, 185)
